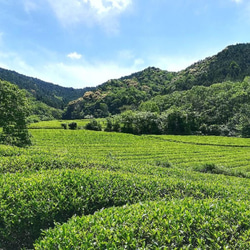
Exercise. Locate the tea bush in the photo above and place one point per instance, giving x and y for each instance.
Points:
(66, 173)
(175, 224)
(31, 202)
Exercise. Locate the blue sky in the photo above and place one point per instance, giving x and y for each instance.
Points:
(80, 43)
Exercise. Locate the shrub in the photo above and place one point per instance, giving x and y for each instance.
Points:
(108, 125)
(113, 124)
(72, 125)
(31, 202)
(64, 125)
(163, 163)
(94, 125)
(215, 169)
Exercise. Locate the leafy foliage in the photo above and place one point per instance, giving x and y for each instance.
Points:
(13, 113)
(72, 125)
(220, 109)
(94, 125)
(34, 202)
(175, 121)
(176, 224)
(232, 63)
(40, 111)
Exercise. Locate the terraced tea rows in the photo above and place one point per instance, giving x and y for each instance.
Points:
(66, 173)
(183, 151)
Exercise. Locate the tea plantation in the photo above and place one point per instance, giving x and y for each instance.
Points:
(79, 189)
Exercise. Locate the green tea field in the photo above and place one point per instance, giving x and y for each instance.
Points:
(79, 189)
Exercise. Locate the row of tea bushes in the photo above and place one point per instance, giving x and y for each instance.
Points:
(175, 224)
(30, 202)
(184, 152)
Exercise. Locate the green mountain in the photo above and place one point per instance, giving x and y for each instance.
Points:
(232, 63)
(46, 100)
(117, 95)
(213, 94)
(50, 94)
(131, 92)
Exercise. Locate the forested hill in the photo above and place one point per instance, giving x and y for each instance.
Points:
(232, 63)
(118, 95)
(48, 93)
(113, 97)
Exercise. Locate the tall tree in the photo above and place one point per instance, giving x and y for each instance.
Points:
(13, 113)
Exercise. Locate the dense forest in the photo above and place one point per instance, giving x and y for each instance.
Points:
(212, 94)
(119, 95)
(220, 109)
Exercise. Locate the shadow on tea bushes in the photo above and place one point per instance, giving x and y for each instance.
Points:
(212, 168)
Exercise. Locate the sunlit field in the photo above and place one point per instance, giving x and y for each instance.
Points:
(100, 190)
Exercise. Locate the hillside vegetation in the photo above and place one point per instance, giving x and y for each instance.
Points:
(232, 63)
(119, 95)
(47, 100)
(219, 109)
(53, 95)
(213, 93)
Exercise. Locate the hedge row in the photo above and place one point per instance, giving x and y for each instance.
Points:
(176, 224)
(31, 202)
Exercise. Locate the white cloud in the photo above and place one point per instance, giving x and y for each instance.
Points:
(172, 63)
(125, 55)
(90, 12)
(102, 6)
(237, 1)
(129, 58)
(74, 55)
(12, 61)
(73, 74)
(85, 75)
(138, 62)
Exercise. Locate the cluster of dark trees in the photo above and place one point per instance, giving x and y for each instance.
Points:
(172, 122)
(222, 109)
